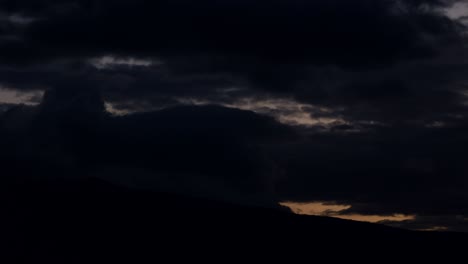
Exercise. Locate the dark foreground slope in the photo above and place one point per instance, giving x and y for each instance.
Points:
(94, 222)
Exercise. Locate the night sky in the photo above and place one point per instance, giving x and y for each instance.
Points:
(353, 109)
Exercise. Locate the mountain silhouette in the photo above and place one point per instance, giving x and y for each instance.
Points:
(92, 221)
(68, 192)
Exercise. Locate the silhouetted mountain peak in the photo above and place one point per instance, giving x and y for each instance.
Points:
(17, 118)
(72, 101)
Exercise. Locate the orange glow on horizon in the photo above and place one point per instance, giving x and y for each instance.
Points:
(333, 210)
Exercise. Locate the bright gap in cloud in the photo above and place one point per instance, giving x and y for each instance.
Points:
(111, 108)
(286, 111)
(108, 62)
(435, 228)
(16, 19)
(11, 96)
(458, 10)
(334, 210)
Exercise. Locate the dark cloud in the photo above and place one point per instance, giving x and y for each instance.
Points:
(358, 33)
(292, 48)
(262, 45)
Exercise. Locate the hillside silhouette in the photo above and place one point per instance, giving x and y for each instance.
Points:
(92, 221)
